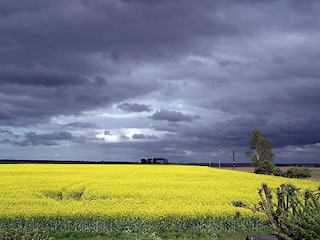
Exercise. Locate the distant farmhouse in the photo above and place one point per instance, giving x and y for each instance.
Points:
(154, 161)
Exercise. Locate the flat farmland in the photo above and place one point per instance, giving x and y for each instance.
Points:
(136, 191)
(132, 199)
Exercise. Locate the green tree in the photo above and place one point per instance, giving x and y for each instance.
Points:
(259, 148)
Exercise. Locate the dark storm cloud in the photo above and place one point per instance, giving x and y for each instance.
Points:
(6, 134)
(33, 95)
(134, 107)
(67, 32)
(298, 132)
(38, 76)
(32, 138)
(171, 116)
(238, 66)
(136, 29)
(8, 137)
(35, 138)
(5, 115)
(289, 118)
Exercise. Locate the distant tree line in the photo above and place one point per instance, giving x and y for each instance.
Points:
(154, 161)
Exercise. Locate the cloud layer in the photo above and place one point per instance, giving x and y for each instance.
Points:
(185, 80)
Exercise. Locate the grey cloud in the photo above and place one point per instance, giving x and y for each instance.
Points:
(295, 132)
(286, 118)
(290, 102)
(165, 126)
(11, 139)
(106, 132)
(100, 81)
(6, 136)
(5, 115)
(33, 101)
(137, 30)
(47, 139)
(134, 107)
(38, 76)
(171, 116)
(80, 125)
(19, 7)
(4, 131)
(33, 138)
(226, 63)
(305, 96)
(124, 137)
(143, 136)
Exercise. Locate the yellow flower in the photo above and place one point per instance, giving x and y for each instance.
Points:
(136, 191)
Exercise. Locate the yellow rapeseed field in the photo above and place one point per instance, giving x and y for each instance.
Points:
(137, 191)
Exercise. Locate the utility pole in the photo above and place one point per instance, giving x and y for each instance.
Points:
(233, 160)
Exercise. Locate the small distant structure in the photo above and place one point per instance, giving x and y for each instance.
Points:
(154, 161)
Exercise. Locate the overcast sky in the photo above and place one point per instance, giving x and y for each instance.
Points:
(186, 80)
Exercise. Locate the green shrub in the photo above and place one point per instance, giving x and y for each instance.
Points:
(265, 167)
(291, 173)
(293, 215)
(298, 173)
(278, 172)
(304, 173)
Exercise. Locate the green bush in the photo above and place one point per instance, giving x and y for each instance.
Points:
(265, 167)
(291, 173)
(278, 172)
(305, 173)
(293, 215)
(298, 173)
